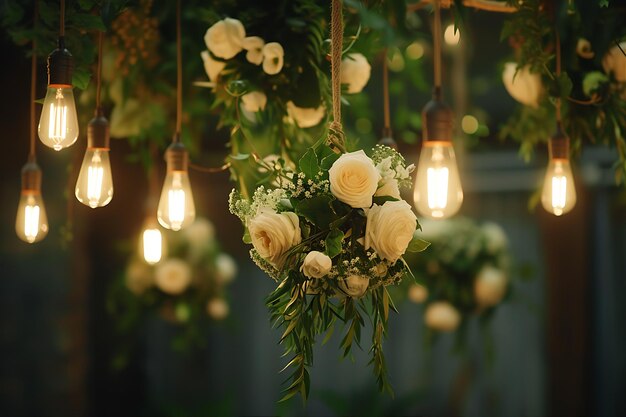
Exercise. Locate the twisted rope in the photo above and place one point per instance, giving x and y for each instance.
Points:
(336, 137)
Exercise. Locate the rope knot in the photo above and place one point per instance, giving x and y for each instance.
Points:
(336, 138)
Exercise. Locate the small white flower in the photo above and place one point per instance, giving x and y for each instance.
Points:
(355, 72)
(217, 308)
(524, 86)
(273, 55)
(254, 101)
(172, 276)
(212, 67)
(442, 316)
(418, 293)
(380, 270)
(614, 61)
(354, 179)
(316, 264)
(354, 285)
(225, 38)
(583, 49)
(490, 286)
(254, 46)
(305, 116)
(138, 277)
(226, 268)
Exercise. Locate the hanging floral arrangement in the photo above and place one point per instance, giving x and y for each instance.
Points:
(187, 287)
(465, 272)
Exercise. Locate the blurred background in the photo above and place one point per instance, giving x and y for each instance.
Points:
(553, 346)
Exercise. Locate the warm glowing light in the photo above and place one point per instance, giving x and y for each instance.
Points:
(469, 124)
(415, 51)
(559, 195)
(152, 243)
(451, 36)
(396, 62)
(58, 125)
(176, 208)
(438, 192)
(94, 187)
(31, 223)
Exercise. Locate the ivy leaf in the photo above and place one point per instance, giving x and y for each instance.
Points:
(317, 210)
(308, 164)
(593, 82)
(328, 161)
(416, 244)
(80, 78)
(333, 242)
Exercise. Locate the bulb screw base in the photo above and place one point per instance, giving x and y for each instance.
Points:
(177, 157)
(558, 144)
(437, 119)
(98, 131)
(60, 65)
(31, 177)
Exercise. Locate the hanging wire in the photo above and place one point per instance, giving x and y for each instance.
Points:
(558, 73)
(437, 45)
(62, 19)
(99, 72)
(33, 88)
(387, 118)
(179, 76)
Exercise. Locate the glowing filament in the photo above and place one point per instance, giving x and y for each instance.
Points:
(437, 179)
(95, 175)
(176, 209)
(152, 245)
(31, 222)
(559, 193)
(57, 128)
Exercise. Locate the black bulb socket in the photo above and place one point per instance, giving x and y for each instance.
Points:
(437, 119)
(177, 157)
(558, 145)
(60, 65)
(98, 135)
(31, 177)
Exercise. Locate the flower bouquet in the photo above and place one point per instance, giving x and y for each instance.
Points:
(187, 287)
(332, 235)
(464, 271)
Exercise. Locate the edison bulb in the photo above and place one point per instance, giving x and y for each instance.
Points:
(31, 223)
(559, 194)
(438, 193)
(94, 187)
(151, 243)
(58, 125)
(176, 208)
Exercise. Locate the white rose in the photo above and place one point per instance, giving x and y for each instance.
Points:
(226, 268)
(316, 264)
(212, 67)
(355, 285)
(172, 276)
(614, 61)
(254, 101)
(273, 234)
(418, 293)
(490, 286)
(273, 55)
(495, 237)
(390, 228)
(138, 277)
(354, 179)
(217, 308)
(225, 38)
(442, 316)
(305, 116)
(524, 86)
(200, 232)
(254, 46)
(355, 72)
(389, 188)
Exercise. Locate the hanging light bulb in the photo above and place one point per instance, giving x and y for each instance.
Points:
(58, 124)
(151, 242)
(559, 193)
(94, 187)
(438, 193)
(31, 223)
(176, 208)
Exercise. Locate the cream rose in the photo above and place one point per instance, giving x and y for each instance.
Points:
(495, 237)
(212, 67)
(217, 308)
(273, 56)
(354, 179)
(524, 86)
(490, 286)
(273, 234)
(389, 229)
(200, 232)
(172, 276)
(316, 264)
(418, 293)
(355, 72)
(614, 61)
(254, 46)
(389, 188)
(225, 38)
(138, 277)
(226, 268)
(305, 116)
(354, 285)
(442, 316)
